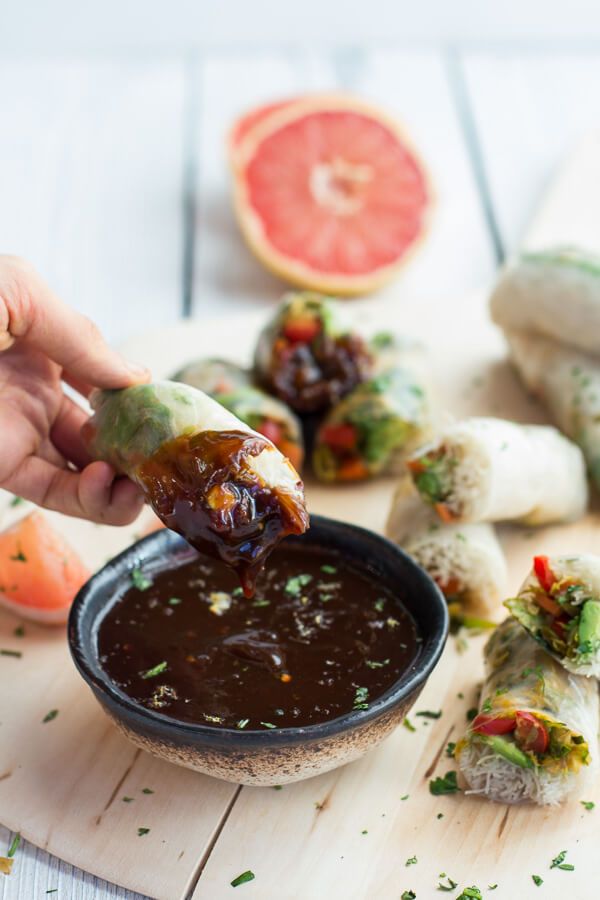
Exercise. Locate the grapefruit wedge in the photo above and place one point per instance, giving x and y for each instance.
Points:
(329, 193)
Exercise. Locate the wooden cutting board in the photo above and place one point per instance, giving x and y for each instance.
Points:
(348, 833)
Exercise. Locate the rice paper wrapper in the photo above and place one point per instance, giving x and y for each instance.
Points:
(520, 676)
(567, 381)
(214, 376)
(555, 293)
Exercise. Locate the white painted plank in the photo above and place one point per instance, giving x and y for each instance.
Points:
(139, 25)
(35, 873)
(91, 163)
(456, 255)
(530, 111)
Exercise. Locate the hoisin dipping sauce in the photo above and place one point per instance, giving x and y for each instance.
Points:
(318, 639)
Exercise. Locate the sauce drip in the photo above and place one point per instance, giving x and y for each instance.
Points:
(320, 639)
(203, 487)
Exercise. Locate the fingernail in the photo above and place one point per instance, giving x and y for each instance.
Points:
(136, 368)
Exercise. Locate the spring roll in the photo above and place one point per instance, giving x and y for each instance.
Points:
(308, 356)
(559, 606)
(567, 382)
(535, 737)
(372, 430)
(555, 293)
(490, 470)
(269, 417)
(466, 561)
(214, 376)
(208, 476)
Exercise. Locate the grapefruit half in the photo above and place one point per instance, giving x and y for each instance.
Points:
(329, 193)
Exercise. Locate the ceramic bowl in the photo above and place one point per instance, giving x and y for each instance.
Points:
(273, 756)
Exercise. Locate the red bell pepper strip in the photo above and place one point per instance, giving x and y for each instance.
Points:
(545, 575)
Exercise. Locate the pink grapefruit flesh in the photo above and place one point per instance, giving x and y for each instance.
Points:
(329, 194)
(39, 572)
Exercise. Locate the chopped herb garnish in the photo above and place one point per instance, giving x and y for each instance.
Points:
(373, 664)
(486, 706)
(492, 887)
(268, 725)
(361, 698)
(471, 713)
(440, 816)
(447, 887)
(411, 861)
(445, 785)
(450, 748)
(52, 891)
(14, 846)
(19, 631)
(16, 501)
(142, 831)
(19, 556)
(277, 787)
(470, 893)
(537, 880)
(460, 695)
(406, 796)
(127, 799)
(408, 725)
(246, 876)
(558, 860)
(379, 604)
(16, 653)
(428, 714)
(155, 670)
(408, 895)
(242, 723)
(147, 791)
(218, 720)
(587, 804)
(237, 592)
(295, 584)
(364, 831)
(50, 715)
(261, 602)
(329, 570)
(175, 601)
(140, 581)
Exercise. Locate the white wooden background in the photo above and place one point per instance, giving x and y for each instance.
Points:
(113, 178)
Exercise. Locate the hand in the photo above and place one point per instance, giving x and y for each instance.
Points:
(42, 456)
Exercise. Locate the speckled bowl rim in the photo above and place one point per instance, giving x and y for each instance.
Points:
(163, 543)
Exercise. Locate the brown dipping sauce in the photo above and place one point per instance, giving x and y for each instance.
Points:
(312, 645)
(202, 487)
(313, 376)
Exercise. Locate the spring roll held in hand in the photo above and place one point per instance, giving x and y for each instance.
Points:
(225, 488)
(535, 737)
(466, 561)
(555, 293)
(559, 606)
(567, 381)
(488, 470)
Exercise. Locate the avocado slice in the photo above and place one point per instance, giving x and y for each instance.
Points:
(508, 750)
(589, 627)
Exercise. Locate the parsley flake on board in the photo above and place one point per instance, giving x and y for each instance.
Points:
(446, 887)
(558, 860)
(445, 785)
(587, 804)
(406, 796)
(127, 799)
(537, 880)
(408, 725)
(408, 895)
(147, 791)
(52, 714)
(16, 501)
(246, 876)
(142, 831)
(140, 581)
(471, 713)
(470, 893)
(411, 861)
(451, 747)
(295, 584)
(155, 670)
(19, 631)
(16, 653)
(429, 714)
